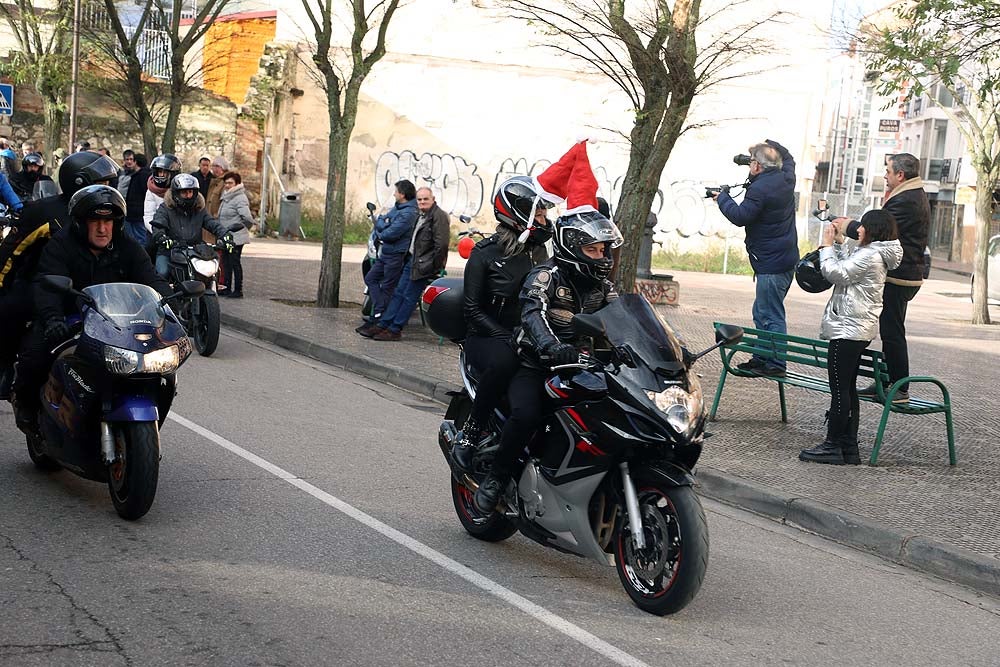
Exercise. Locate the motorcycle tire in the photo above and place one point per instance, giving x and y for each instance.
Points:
(132, 478)
(666, 576)
(493, 528)
(41, 460)
(206, 325)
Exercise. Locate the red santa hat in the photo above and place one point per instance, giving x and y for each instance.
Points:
(571, 180)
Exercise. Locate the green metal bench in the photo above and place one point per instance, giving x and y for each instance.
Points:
(813, 353)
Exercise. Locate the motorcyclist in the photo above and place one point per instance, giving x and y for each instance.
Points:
(91, 250)
(163, 168)
(21, 249)
(32, 171)
(574, 281)
(492, 282)
(180, 220)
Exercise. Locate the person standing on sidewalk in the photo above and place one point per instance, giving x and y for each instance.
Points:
(204, 174)
(767, 212)
(129, 168)
(427, 256)
(394, 229)
(234, 209)
(135, 200)
(907, 201)
(858, 273)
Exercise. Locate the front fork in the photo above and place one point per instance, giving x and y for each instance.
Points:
(632, 508)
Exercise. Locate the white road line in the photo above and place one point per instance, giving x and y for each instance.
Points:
(556, 622)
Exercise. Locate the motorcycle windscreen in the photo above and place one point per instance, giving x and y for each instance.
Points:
(631, 323)
(43, 189)
(128, 304)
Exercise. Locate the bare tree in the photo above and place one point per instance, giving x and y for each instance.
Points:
(342, 70)
(43, 57)
(650, 52)
(955, 44)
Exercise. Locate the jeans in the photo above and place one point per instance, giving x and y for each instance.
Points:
(769, 305)
(404, 300)
(162, 265)
(892, 329)
(136, 229)
(381, 281)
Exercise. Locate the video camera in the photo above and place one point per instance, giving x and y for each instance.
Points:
(742, 159)
(711, 192)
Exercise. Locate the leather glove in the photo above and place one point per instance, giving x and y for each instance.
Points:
(56, 331)
(160, 239)
(562, 353)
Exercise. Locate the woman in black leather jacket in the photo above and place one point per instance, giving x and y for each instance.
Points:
(493, 278)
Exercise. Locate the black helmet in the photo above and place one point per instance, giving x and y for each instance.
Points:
(169, 165)
(35, 159)
(85, 168)
(808, 274)
(572, 232)
(96, 201)
(514, 204)
(184, 182)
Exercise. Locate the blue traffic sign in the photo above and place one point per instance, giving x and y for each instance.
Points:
(6, 99)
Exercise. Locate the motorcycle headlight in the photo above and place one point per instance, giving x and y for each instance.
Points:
(682, 409)
(165, 360)
(120, 361)
(205, 267)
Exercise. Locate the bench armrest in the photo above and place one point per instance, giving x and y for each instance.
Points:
(912, 379)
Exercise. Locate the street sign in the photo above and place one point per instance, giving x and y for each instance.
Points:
(888, 125)
(6, 99)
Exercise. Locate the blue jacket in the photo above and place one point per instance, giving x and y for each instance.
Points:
(8, 196)
(395, 228)
(768, 214)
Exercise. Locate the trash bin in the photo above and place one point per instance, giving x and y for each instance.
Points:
(290, 214)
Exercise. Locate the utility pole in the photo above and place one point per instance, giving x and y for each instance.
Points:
(76, 75)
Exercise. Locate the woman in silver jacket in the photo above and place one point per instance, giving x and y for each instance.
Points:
(850, 321)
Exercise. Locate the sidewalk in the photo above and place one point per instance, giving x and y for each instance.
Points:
(913, 508)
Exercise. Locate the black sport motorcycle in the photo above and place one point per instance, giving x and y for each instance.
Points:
(608, 475)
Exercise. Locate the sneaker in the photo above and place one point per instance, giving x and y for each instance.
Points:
(901, 397)
(387, 334)
(488, 494)
(772, 371)
(753, 366)
(868, 391)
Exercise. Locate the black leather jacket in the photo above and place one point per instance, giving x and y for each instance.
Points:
(491, 285)
(549, 300)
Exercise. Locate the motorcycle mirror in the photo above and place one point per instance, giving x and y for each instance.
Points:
(464, 219)
(57, 283)
(371, 207)
(727, 334)
(192, 287)
(588, 324)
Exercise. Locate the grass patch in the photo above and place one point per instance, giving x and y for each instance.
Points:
(707, 261)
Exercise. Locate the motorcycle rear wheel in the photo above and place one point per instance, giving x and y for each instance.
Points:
(492, 528)
(665, 576)
(133, 477)
(206, 325)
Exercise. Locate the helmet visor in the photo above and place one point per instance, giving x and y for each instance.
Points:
(599, 228)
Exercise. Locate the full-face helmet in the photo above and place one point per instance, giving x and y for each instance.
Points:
(573, 232)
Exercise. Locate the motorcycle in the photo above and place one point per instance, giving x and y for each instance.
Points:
(201, 315)
(110, 388)
(608, 474)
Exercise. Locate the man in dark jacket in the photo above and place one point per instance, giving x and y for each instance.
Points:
(91, 250)
(395, 230)
(907, 202)
(180, 219)
(427, 255)
(767, 212)
(135, 199)
(203, 174)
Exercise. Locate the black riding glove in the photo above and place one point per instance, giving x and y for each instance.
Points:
(161, 240)
(228, 243)
(561, 354)
(56, 331)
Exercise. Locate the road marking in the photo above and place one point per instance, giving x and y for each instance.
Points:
(557, 623)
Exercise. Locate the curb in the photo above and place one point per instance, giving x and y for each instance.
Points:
(907, 548)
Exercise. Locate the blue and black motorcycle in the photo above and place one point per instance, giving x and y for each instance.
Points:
(110, 388)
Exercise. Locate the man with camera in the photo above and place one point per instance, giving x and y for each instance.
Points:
(767, 212)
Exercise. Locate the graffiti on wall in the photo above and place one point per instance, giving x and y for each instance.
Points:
(457, 187)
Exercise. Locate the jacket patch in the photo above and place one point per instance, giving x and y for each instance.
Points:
(542, 279)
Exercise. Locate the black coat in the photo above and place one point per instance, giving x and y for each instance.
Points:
(911, 209)
(22, 247)
(203, 181)
(185, 226)
(430, 245)
(491, 286)
(135, 197)
(24, 184)
(68, 254)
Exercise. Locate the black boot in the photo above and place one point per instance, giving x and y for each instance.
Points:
(26, 417)
(850, 441)
(469, 440)
(829, 451)
(6, 381)
(488, 493)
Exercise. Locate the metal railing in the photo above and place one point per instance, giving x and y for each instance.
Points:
(153, 45)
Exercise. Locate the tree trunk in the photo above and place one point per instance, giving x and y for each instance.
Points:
(986, 180)
(328, 291)
(54, 114)
(177, 95)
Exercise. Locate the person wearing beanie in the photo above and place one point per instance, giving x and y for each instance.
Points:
(213, 196)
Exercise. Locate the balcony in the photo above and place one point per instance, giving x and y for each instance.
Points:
(943, 170)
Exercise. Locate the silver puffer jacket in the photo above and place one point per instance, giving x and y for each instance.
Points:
(858, 277)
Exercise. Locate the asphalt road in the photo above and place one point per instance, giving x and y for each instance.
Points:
(303, 518)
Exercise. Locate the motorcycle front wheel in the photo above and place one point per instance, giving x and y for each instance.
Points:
(664, 576)
(132, 478)
(37, 454)
(206, 325)
(494, 527)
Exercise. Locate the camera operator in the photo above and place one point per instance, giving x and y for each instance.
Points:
(768, 214)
